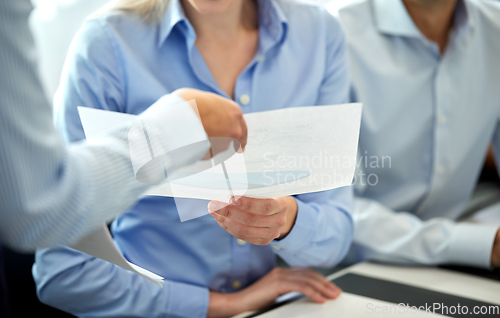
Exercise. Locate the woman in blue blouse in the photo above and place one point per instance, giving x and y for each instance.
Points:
(264, 55)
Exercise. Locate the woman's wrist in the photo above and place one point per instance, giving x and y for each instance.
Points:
(224, 305)
(292, 209)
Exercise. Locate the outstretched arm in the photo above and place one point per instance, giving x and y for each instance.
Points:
(51, 194)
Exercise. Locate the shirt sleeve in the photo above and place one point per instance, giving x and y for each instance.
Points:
(86, 286)
(336, 81)
(323, 229)
(322, 232)
(400, 237)
(52, 194)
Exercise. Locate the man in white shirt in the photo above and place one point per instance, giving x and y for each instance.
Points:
(428, 74)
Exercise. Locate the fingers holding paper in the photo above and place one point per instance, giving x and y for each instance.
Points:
(256, 221)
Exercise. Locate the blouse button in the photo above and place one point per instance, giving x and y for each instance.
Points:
(244, 99)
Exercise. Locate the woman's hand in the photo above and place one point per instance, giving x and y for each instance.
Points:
(221, 117)
(277, 282)
(257, 221)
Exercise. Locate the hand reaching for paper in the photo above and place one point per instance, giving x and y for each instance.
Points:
(221, 117)
(256, 221)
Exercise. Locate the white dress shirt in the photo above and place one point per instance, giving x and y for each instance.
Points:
(427, 123)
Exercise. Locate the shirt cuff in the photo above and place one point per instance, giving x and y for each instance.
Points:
(175, 130)
(185, 300)
(301, 233)
(471, 244)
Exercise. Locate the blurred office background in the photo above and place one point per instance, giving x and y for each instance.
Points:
(54, 23)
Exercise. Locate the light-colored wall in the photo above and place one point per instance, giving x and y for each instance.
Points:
(54, 24)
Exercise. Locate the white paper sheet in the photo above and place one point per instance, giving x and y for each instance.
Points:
(346, 306)
(289, 151)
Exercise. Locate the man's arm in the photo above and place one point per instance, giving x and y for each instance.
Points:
(51, 194)
(400, 237)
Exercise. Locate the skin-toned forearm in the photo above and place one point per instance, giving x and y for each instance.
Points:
(277, 282)
(223, 305)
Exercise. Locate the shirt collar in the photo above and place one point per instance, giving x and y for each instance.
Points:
(464, 20)
(392, 17)
(173, 15)
(271, 18)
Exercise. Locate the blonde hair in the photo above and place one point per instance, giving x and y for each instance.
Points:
(150, 10)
